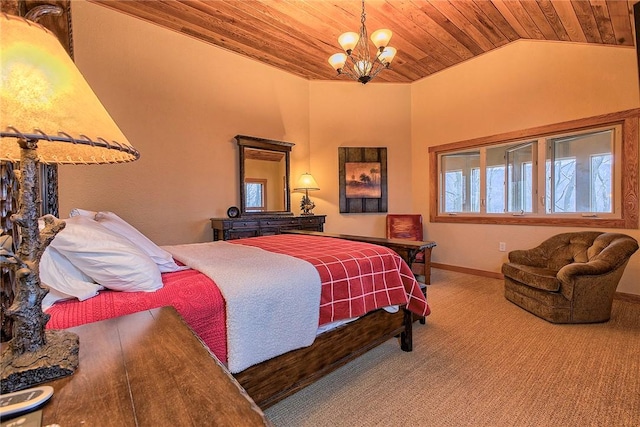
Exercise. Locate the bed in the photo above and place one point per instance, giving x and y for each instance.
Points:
(360, 285)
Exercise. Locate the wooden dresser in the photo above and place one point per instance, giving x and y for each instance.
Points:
(253, 226)
(148, 369)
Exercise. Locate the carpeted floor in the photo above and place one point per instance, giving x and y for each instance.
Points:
(482, 361)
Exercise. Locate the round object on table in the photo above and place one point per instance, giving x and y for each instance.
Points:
(233, 212)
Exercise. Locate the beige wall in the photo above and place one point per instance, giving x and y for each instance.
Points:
(344, 114)
(523, 85)
(180, 102)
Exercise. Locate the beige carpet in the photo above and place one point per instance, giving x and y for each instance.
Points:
(482, 361)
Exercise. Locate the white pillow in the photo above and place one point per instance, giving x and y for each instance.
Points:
(109, 259)
(52, 297)
(82, 212)
(161, 257)
(64, 279)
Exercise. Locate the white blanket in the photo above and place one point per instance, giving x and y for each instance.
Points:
(272, 300)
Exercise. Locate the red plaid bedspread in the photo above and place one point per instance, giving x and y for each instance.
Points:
(356, 277)
(194, 296)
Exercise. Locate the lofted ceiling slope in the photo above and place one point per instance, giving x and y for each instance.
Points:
(298, 36)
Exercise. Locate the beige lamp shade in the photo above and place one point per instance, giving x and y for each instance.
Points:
(387, 55)
(307, 182)
(381, 38)
(337, 60)
(348, 40)
(44, 97)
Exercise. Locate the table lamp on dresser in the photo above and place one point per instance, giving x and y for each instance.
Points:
(48, 114)
(307, 183)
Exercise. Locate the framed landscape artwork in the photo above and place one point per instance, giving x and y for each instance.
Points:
(362, 179)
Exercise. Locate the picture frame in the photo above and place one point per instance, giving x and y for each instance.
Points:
(362, 179)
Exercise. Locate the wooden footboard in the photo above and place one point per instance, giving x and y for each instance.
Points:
(277, 378)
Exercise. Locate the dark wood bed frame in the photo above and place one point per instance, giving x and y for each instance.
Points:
(277, 378)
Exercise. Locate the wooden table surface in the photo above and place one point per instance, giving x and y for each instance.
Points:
(148, 369)
(413, 245)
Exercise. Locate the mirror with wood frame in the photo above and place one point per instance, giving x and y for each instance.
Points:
(264, 176)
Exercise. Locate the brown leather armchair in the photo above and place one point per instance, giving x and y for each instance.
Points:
(569, 278)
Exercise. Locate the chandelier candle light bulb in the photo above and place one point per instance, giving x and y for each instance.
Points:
(363, 67)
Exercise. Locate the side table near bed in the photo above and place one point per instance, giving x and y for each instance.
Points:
(148, 369)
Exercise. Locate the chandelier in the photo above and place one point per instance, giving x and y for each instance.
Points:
(362, 65)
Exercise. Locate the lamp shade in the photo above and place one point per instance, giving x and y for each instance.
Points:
(348, 40)
(380, 38)
(387, 55)
(307, 182)
(337, 60)
(44, 97)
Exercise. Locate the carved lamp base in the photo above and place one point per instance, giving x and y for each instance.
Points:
(57, 358)
(306, 205)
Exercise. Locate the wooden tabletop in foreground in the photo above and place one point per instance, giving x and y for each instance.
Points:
(148, 369)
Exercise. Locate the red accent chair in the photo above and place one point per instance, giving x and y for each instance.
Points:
(407, 227)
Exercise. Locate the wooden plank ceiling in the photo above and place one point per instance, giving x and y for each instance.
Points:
(298, 36)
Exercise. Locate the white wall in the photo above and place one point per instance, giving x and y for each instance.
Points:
(520, 86)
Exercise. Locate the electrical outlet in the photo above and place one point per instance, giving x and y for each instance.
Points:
(502, 247)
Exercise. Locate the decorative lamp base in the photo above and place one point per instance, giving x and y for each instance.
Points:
(306, 205)
(57, 358)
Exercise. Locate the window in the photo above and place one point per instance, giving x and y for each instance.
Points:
(582, 173)
(507, 186)
(255, 191)
(461, 182)
(519, 185)
(566, 174)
